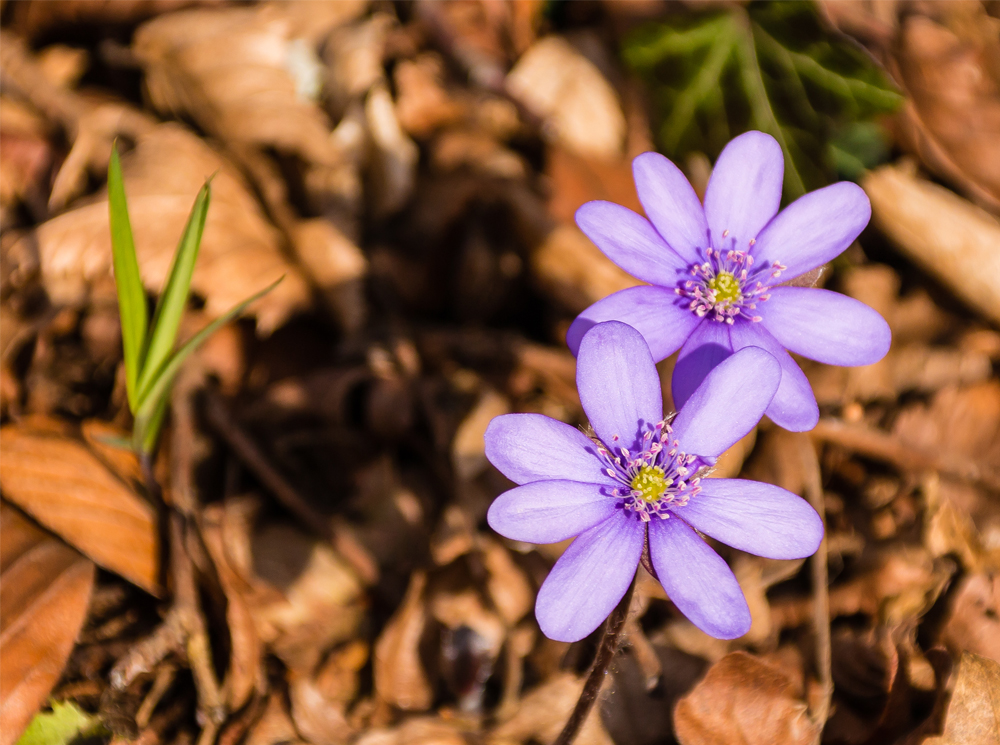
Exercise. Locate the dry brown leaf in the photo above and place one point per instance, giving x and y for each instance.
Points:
(422, 103)
(416, 731)
(393, 168)
(246, 654)
(952, 239)
(973, 622)
(275, 725)
(973, 716)
(110, 444)
(240, 250)
(580, 107)
(44, 592)
(508, 587)
(468, 448)
(573, 269)
(741, 701)
(947, 69)
(36, 17)
(400, 678)
(67, 489)
(246, 74)
(542, 713)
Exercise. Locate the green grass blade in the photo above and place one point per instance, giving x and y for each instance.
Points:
(173, 299)
(131, 296)
(147, 419)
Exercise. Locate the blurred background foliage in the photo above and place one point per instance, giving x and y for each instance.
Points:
(769, 66)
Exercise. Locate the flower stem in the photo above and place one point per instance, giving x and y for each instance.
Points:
(605, 653)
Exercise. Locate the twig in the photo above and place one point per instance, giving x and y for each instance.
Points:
(605, 653)
(820, 583)
(248, 452)
(882, 446)
(161, 684)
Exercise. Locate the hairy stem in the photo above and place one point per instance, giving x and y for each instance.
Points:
(605, 653)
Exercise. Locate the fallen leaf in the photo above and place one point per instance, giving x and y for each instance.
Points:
(558, 84)
(949, 237)
(741, 701)
(240, 250)
(542, 713)
(400, 678)
(510, 590)
(65, 487)
(44, 592)
(275, 725)
(468, 448)
(416, 731)
(973, 716)
(422, 103)
(246, 74)
(973, 621)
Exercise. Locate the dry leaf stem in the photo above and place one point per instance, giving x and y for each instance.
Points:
(247, 451)
(595, 679)
(821, 590)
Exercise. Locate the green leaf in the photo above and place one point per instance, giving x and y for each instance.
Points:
(150, 415)
(173, 300)
(60, 726)
(131, 296)
(767, 66)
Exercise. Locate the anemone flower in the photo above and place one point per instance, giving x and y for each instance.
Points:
(715, 272)
(637, 474)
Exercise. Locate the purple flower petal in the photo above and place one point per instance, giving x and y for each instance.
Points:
(760, 519)
(550, 511)
(794, 405)
(729, 402)
(744, 192)
(534, 447)
(631, 242)
(705, 348)
(589, 579)
(655, 312)
(697, 580)
(825, 326)
(814, 229)
(671, 204)
(618, 383)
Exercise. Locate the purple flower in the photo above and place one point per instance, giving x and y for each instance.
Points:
(639, 472)
(714, 272)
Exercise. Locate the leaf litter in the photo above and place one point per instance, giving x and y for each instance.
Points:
(412, 170)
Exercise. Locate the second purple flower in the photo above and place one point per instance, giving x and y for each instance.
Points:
(715, 272)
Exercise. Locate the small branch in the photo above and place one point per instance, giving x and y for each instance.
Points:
(605, 653)
(820, 582)
(252, 457)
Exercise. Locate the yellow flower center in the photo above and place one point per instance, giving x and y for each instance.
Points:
(651, 482)
(726, 288)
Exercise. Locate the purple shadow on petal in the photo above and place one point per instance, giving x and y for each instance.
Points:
(655, 312)
(794, 405)
(758, 518)
(728, 403)
(534, 447)
(590, 578)
(618, 383)
(672, 205)
(697, 580)
(550, 511)
(744, 191)
(826, 326)
(630, 242)
(814, 229)
(704, 349)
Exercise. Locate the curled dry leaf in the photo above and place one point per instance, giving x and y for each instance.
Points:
(542, 713)
(393, 169)
(240, 250)
(573, 269)
(579, 106)
(742, 701)
(973, 716)
(44, 592)
(468, 448)
(422, 104)
(952, 239)
(400, 678)
(973, 622)
(247, 75)
(947, 69)
(510, 590)
(65, 487)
